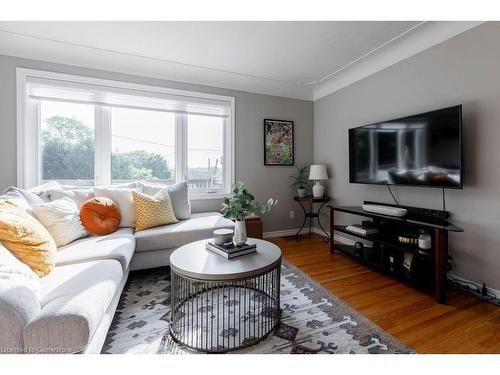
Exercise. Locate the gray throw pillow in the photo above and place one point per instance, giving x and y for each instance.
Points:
(178, 196)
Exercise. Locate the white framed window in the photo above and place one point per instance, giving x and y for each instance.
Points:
(84, 131)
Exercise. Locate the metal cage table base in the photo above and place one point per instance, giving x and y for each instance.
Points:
(221, 316)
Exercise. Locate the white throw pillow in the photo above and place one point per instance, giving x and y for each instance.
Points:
(62, 219)
(123, 198)
(40, 189)
(18, 198)
(25, 198)
(12, 270)
(79, 196)
(178, 196)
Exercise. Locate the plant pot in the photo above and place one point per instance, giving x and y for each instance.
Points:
(240, 232)
(301, 193)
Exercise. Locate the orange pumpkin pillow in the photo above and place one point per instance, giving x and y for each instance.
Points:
(100, 216)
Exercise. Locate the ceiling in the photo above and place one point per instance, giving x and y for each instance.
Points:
(303, 60)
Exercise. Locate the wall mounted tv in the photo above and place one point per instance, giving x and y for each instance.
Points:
(418, 150)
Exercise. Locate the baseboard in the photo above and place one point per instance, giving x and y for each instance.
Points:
(496, 292)
(337, 237)
(292, 232)
(284, 233)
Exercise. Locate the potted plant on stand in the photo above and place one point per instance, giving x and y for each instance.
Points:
(240, 204)
(300, 180)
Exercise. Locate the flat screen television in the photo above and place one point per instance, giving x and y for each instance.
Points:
(418, 150)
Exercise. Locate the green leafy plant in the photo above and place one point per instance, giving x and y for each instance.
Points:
(242, 203)
(299, 178)
(68, 148)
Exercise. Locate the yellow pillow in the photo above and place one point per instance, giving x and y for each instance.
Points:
(153, 211)
(26, 238)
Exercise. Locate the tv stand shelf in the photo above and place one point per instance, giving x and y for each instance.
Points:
(386, 255)
(384, 241)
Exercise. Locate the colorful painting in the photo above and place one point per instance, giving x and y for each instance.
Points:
(278, 142)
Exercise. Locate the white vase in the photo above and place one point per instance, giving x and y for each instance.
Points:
(240, 232)
(318, 190)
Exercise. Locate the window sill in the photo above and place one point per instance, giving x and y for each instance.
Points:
(207, 196)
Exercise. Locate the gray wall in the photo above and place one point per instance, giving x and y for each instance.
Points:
(465, 69)
(251, 109)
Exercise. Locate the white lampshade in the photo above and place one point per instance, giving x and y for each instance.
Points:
(318, 172)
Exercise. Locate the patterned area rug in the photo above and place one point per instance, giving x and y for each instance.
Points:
(313, 320)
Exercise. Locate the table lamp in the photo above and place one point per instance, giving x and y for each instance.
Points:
(318, 173)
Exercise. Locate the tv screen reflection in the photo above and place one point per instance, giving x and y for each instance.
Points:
(420, 150)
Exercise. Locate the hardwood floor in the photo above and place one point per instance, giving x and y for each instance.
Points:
(464, 325)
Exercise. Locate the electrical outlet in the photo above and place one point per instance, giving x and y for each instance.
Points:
(292, 214)
(484, 290)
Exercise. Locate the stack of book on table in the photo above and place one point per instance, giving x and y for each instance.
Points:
(358, 228)
(231, 250)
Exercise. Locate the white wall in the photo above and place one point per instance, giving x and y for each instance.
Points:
(463, 70)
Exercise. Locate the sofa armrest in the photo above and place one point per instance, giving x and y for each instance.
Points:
(18, 306)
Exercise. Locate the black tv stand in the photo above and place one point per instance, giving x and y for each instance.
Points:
(431, 267)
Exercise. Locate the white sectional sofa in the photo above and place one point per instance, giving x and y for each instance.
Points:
(77, 300)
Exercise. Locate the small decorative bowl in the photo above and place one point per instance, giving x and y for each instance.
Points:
(223, 236)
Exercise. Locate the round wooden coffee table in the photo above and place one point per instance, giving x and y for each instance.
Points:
(218, 304)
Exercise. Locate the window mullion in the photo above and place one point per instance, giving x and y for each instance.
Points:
(226, 170)
(102, 145)
(33, 152)
(180, 147)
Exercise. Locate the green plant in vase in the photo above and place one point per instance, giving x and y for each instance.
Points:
(240, 204)
(300, 180)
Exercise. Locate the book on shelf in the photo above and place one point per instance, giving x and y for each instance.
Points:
(357, 228)
(231, 250)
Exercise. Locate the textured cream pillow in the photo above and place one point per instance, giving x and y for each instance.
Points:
(26, 238)
(62, 219)
(153, 211)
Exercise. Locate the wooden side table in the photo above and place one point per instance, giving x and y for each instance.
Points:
(311, 214)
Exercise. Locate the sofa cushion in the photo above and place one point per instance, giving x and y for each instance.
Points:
(123, 198)
(38, 194)
(61, 219)
(118, 246)
(153, 211)
(15, 272)
(18, 198)
(100, 216)
(178, 196)
(18, 306)
(25, 198)
(19, 301)
(74, 299)
(26, 238)
(200, 226)
(79, 196)
(42, 189)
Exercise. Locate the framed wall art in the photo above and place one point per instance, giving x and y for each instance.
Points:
(278, 142)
